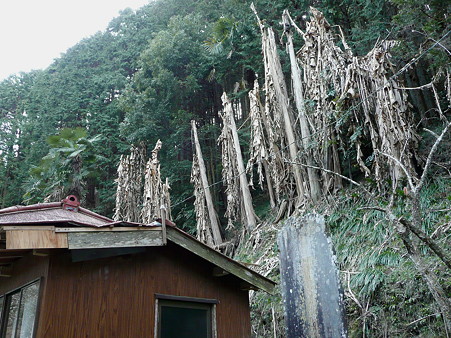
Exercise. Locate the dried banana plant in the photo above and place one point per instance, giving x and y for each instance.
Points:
(208, 226)
(298, 93)
(165, 199)
(323, 69)
(239, 200)
(386, 113)
(282, 137)
(354, 98)
(156, 194)
(129, 185)
(259, 148)
(230, 177)
(278, 169)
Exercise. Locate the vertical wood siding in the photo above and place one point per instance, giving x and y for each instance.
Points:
(24, 271)
(114, 297)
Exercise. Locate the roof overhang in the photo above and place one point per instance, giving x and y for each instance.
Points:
(223, 262)
(21, 239)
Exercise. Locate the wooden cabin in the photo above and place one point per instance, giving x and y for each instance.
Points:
(69, 272)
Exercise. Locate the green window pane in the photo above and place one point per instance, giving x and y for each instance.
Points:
(184, 322)
(184, 319)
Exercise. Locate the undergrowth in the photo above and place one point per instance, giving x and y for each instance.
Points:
(385, 296)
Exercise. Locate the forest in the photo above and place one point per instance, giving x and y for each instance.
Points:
(265, 109)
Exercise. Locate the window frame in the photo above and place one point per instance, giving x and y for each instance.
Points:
(190, 302)
(4, 314)
(2, 307)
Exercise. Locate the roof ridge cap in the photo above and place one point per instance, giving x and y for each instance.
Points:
(37, 206)
(94, 214)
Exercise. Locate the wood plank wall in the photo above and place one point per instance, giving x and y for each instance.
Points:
(24, 271)
(114, 297)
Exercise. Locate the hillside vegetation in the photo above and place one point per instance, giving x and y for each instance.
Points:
(341, 108)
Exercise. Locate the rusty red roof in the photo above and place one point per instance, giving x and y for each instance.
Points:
(50, 213)
(66, 212)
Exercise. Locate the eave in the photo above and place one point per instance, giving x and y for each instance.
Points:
(22, 239)
(225, 263)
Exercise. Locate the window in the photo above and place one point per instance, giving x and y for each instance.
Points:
(185, 317)
(18, 312)
(2, 299)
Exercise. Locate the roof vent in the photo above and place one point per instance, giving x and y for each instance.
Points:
(71, 203)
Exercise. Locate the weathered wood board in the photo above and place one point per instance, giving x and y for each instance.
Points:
(107, 229)
(91, 240)
(35, 239)
(311, 290)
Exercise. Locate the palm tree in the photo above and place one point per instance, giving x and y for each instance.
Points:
(64, 170)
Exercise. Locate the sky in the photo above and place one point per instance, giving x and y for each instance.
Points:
(35, 32)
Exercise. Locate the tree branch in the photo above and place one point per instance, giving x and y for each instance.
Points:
(398, 162)
(437, 102)
(427, 85)
(331, 172)
(285, 12)
(428, 241)
(429, 276)
(420, 319)
(443, 255)
(429, 159)
(431, 132)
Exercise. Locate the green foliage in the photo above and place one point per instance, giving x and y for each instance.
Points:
(419, 24)
(14, 136)
(222, 34)
(393, 299)
(64, 170)
(364, 22)
(375, 268)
